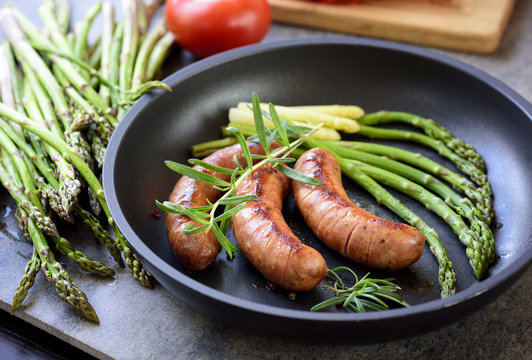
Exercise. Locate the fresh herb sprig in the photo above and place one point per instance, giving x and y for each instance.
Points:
(210, 217)
(366, 293)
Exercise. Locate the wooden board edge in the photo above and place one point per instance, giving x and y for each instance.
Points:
(483, 39)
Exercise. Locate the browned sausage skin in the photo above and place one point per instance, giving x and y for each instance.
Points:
(196, 252)
(346, 228)
(266, 240)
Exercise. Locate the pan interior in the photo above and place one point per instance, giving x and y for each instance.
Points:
(375, 78)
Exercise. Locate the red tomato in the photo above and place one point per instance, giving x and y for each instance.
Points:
(206, 27)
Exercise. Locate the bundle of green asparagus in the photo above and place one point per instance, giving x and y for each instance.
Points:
(61, 98)
(464, 204)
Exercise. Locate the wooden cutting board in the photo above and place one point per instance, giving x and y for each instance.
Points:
(466, 25)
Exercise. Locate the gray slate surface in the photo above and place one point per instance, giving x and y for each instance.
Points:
(137, 323)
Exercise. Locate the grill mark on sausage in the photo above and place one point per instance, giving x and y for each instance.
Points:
(346, 246)
(288, 259)
(375, 223)
(338, 199)
(313, 162)
(322, 219)
(265, 212)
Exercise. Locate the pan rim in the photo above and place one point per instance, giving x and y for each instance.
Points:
(476, 290)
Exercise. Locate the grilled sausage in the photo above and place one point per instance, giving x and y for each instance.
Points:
(346, 228)
(267, 241)
(197, 251)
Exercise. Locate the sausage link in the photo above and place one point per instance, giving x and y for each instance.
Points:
(346, 228)
(265, 238)
(196, 252)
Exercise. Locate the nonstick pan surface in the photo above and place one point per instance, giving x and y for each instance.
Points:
(376, 75)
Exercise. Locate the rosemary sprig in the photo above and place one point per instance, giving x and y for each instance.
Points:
(209, 217)
(366, 293)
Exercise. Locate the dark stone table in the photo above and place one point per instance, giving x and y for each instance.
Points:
(137, 323)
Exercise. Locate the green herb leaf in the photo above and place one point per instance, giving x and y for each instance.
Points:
(258, 156)
(296, 175)
(227, 245)
(365, 294)
(292, 131)
(224, 223)
(233, 179)
(170, 205)
(237, 163)
(259, 123)
(191, 230)
(222, 189)
(228, 213)
(235, 200)
(195, 174)
(279, 125)
(243, 144)
(217, 169)
(253, 138)
(372, 306)
(271, 138)
(282, 160)
(182, 210)
(375, 299)
(301, 130)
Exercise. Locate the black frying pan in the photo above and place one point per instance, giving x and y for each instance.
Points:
(376, 75)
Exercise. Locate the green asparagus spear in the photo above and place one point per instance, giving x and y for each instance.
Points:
(151, 8)
(29, 193)
(159, 53)
(27, 281)
(68, 186)
(63, 14)
(432, 129)
(21, 197)
(142, 20)
(28, 55)
(82, 260)
(94, 61)
(114, 64)
(476, 174)
(12, 96)
(453, 199)
(15, 90)
(54, 28)
(80, 43)
(55, 273)
(129, 47)
(457, 181)
(27, 52)
(13, 182)
(145, 49)
(131, 259)
(99, 232)
(108, 26)
(105, 129)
